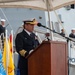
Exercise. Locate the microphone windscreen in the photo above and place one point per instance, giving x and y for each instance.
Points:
(39, 24)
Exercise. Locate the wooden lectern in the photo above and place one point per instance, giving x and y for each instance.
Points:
(50, 58)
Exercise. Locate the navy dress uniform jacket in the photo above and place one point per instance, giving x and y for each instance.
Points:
(26, 42)
(72, 35)
(2, 29)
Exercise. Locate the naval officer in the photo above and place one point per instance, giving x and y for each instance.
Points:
(25, 44)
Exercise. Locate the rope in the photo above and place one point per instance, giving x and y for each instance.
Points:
(59, 21)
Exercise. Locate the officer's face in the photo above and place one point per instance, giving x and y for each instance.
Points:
(2, 22)
(73, 31)
(29, 27)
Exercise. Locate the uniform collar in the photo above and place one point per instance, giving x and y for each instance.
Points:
(27, 32)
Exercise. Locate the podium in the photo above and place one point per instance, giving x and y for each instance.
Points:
(50, 58)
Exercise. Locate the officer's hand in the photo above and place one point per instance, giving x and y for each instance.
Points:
(31, 51)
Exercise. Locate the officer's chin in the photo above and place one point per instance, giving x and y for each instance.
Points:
(31, 31)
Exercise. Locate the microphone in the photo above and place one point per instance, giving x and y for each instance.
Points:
(40, 25)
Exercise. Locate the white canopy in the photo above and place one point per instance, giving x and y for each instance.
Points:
(36, 4)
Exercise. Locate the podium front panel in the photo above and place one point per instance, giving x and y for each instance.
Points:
(50, 58)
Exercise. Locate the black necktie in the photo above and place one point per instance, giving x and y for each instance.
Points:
(33, 38)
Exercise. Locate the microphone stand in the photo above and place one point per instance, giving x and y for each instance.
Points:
(68, 38)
